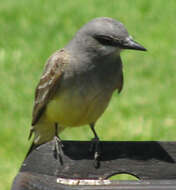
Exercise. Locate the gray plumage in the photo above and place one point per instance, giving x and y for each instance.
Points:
(78, 81)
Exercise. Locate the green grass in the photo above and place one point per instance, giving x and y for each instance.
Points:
(31, 30)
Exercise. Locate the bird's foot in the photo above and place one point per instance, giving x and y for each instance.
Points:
(57, 148)
(96, 148)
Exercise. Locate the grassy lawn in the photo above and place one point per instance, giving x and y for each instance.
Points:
(31, 30)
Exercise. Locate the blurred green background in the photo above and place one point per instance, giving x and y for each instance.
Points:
(31, 30)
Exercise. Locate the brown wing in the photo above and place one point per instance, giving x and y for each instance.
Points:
(49, 83)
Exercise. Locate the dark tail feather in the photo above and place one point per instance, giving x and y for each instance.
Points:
(32, 147)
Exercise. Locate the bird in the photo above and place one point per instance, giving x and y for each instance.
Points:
(78, 81)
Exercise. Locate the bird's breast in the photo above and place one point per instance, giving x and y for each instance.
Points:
(82, 97)
(77, 105)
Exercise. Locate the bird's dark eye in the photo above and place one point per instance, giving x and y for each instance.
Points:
(106, 40)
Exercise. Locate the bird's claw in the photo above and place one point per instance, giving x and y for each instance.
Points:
(95, 147)
(57, 148)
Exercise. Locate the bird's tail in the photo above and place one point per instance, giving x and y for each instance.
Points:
(33, 145)
(43, 132)
(31, 148)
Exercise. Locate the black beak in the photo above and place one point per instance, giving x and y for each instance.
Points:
(129, 43)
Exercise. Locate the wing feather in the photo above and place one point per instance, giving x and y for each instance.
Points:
(49, 83)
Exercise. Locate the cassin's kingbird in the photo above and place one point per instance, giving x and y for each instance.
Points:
(78, 80)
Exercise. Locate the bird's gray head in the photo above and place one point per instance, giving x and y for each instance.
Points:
(103, 36)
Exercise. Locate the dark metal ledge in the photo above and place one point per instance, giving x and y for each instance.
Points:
(151, 162)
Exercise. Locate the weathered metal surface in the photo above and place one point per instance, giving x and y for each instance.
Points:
(146, 160)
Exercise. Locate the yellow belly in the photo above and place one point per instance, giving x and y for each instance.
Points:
(73, 109)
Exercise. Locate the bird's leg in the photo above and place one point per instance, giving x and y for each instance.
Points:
(95, 146)
(57, 146)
